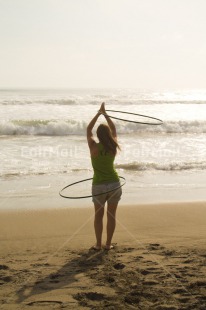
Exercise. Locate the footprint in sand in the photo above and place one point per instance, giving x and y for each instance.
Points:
(145, 272)
(44, 302)
(54, 278)
(4, 267)
(151, 282)
(154, 269)
(132, 299)
(3, 278)
(40, 264)
(110, 279)
(119, 266)
(138, 257)
(125, 250)
(151, 270)
(198, 283)
(168, 253)
(184, 299)
(188, 261)
(154, 247)
(89, 295)
(6, 279)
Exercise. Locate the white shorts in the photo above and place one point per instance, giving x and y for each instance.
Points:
(112, 197)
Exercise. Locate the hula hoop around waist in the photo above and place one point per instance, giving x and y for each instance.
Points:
(89, 196)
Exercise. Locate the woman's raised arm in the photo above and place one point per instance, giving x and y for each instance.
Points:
(90, 126)
(109, 121)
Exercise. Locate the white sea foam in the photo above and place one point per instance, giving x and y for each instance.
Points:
(96, 96)
(73, 127)
(42, 127)
(43, 132)
(62, 101)
(93, 100)
(130, 167)
(171, 166)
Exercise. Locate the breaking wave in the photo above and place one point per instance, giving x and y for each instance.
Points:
(38, 101)
(73, 127)
(171, 166)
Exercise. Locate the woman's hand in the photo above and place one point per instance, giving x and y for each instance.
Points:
(102, 108)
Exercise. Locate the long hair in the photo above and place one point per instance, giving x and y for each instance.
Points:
(105, 137)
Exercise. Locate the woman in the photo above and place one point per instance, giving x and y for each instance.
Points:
(105, 177)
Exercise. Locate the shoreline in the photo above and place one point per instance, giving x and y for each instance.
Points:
(37, 192)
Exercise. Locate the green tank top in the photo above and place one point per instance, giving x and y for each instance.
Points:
(103, 165)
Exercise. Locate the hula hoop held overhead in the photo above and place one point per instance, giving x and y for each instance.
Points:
(158, 121)
(89, 196)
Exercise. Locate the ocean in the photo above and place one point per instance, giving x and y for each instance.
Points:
(44, 147)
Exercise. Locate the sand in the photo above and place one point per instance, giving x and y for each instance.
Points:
(158, 261)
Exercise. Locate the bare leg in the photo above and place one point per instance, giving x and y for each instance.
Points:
(111, 223)
(98, 224)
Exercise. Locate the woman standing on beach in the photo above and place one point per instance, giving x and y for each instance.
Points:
(105, 177)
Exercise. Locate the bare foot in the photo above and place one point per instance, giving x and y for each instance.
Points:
(96, 248)
(109, 247)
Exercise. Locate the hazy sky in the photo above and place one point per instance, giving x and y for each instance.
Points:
(103, 43)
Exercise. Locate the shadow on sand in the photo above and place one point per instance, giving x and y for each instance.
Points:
(65, 276)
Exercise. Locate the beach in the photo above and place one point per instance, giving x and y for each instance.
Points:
(158, 260)
(159, 256)
(68, 68)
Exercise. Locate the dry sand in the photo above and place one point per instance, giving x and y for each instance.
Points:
(159, 259)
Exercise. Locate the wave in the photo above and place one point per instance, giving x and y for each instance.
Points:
(42, 127)
(166, 127)
(172, 166)
(18, 174)
(39, 101)
(73, 127)
(94, 100)
(130, 167)
(52, 171)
